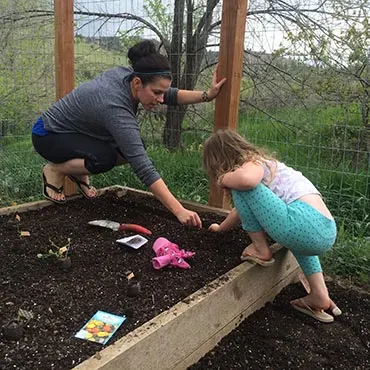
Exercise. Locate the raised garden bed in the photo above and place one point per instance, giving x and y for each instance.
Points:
(277, 337)
(62, 300)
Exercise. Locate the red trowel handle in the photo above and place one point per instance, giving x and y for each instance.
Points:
(135, 228)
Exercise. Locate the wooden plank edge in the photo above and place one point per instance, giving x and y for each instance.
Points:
(198, 207)
(118, 190)
(132, 339)
(266, 290)
(39, 204)
(169, 341)
(207, 346)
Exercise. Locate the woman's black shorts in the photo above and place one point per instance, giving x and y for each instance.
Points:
(100, 156)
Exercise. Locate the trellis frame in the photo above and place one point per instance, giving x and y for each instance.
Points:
(64, 59)
(230, 65)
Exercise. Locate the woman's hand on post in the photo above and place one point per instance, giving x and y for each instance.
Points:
(189, 218)
(215, 86)
(220, 180)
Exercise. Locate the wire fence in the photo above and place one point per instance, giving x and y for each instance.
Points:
(304, 93)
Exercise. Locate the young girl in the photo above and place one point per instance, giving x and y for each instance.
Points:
(271, 198)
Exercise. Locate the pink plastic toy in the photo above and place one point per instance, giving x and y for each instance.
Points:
(169, 254)
(179, 262)
(170, 261)
(161, 261)
(163, 246)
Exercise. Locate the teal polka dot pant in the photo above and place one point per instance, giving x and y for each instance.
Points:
(296, 226)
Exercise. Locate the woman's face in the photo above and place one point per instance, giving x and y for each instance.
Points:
(152, 93)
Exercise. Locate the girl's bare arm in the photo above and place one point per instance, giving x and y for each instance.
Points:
(244, 178)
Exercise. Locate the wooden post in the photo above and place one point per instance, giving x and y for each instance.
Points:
(64, 58)
(230, 65)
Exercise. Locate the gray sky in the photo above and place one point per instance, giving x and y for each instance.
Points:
(103, 27)
(257, 38)
(263, 33)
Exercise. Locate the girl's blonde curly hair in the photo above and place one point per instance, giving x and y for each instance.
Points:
(226, 150)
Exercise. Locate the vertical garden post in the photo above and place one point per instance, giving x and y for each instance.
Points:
(64, 58)
(230, 65)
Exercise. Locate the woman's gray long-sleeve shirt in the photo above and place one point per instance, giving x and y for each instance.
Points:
(104, 108)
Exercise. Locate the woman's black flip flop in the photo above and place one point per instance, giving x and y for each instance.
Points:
(46, 185)
(80, 184)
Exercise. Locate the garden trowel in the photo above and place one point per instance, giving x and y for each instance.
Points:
(116, 226)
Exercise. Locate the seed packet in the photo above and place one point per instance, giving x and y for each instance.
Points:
(101, 327)
(134, 242)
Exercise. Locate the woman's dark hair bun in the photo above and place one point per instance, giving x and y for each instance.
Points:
(140, 50)
(145, 58)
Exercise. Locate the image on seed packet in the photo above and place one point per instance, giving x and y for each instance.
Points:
(101, 327)
(135, 241)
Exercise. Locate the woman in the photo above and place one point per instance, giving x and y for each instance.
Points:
(94, 128)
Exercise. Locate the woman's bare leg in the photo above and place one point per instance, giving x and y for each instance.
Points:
(55, 173)
(55, 178)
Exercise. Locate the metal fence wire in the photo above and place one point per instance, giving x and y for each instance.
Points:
(304, 93)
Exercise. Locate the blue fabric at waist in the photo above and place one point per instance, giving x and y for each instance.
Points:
(38, 128)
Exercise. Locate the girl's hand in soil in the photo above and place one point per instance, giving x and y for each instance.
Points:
(215, 228)
(189, 218)
(228, 223)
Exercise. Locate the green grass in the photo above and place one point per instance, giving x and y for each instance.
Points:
(328, 155)
(92, 59)
(349, 258)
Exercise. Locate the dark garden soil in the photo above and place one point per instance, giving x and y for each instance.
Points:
(276, 337)
(62, 300)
